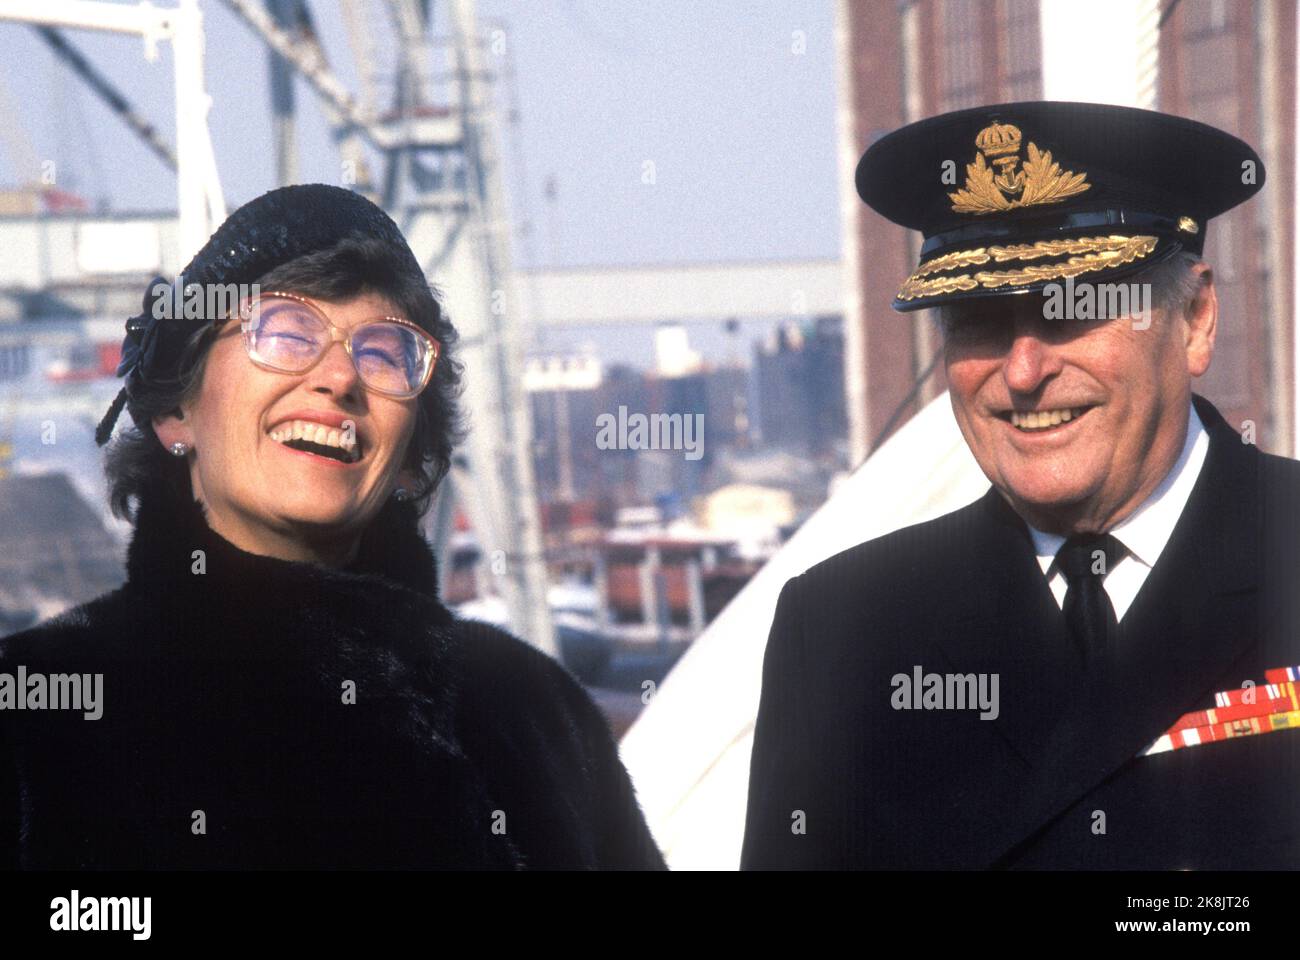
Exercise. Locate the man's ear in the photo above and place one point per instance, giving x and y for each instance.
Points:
(1202, 320)
(173, 427)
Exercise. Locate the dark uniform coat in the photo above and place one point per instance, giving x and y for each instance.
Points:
(227, 739)
(841, 779)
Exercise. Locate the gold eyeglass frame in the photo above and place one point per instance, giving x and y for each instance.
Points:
(337, 335)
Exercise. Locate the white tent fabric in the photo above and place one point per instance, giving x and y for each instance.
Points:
(688, 752)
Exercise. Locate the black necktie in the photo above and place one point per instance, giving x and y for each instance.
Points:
(1085, 559)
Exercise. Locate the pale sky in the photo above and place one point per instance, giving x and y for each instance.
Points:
(739, 126)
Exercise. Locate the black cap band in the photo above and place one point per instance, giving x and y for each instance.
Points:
(1187, 230)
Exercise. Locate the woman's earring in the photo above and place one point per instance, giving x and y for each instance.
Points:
(179, 449)
(400, 494)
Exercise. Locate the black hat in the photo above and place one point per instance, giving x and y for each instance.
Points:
(263, 234)
(1014, 196)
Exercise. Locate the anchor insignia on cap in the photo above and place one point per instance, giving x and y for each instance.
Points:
(1006, 184)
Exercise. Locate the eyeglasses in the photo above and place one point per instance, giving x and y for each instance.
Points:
(285, 333)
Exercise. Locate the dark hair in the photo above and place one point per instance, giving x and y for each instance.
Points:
(354, 266)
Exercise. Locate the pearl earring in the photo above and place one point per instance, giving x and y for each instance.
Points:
(179, 449)
(400, 494)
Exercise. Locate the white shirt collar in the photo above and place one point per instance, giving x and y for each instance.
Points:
(1148, 528)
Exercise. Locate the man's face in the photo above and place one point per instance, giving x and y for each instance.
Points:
(1074, 421)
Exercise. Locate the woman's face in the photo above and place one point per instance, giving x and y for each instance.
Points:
(267, 497)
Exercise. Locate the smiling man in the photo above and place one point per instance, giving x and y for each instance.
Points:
(1128, 583)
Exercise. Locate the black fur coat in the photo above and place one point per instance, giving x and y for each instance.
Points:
(269, 714)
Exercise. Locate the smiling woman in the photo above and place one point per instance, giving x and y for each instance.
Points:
(282, 686)
(352, 268)
(274, 376)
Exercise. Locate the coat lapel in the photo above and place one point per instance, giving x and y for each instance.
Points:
(1014, 628)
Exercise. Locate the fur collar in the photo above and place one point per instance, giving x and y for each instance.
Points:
(378, 622)
(169, 527)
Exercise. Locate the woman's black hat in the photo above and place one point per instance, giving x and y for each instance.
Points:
(263, 234)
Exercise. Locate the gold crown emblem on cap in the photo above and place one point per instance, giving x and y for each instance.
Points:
(1007, 184)
(998, 140)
